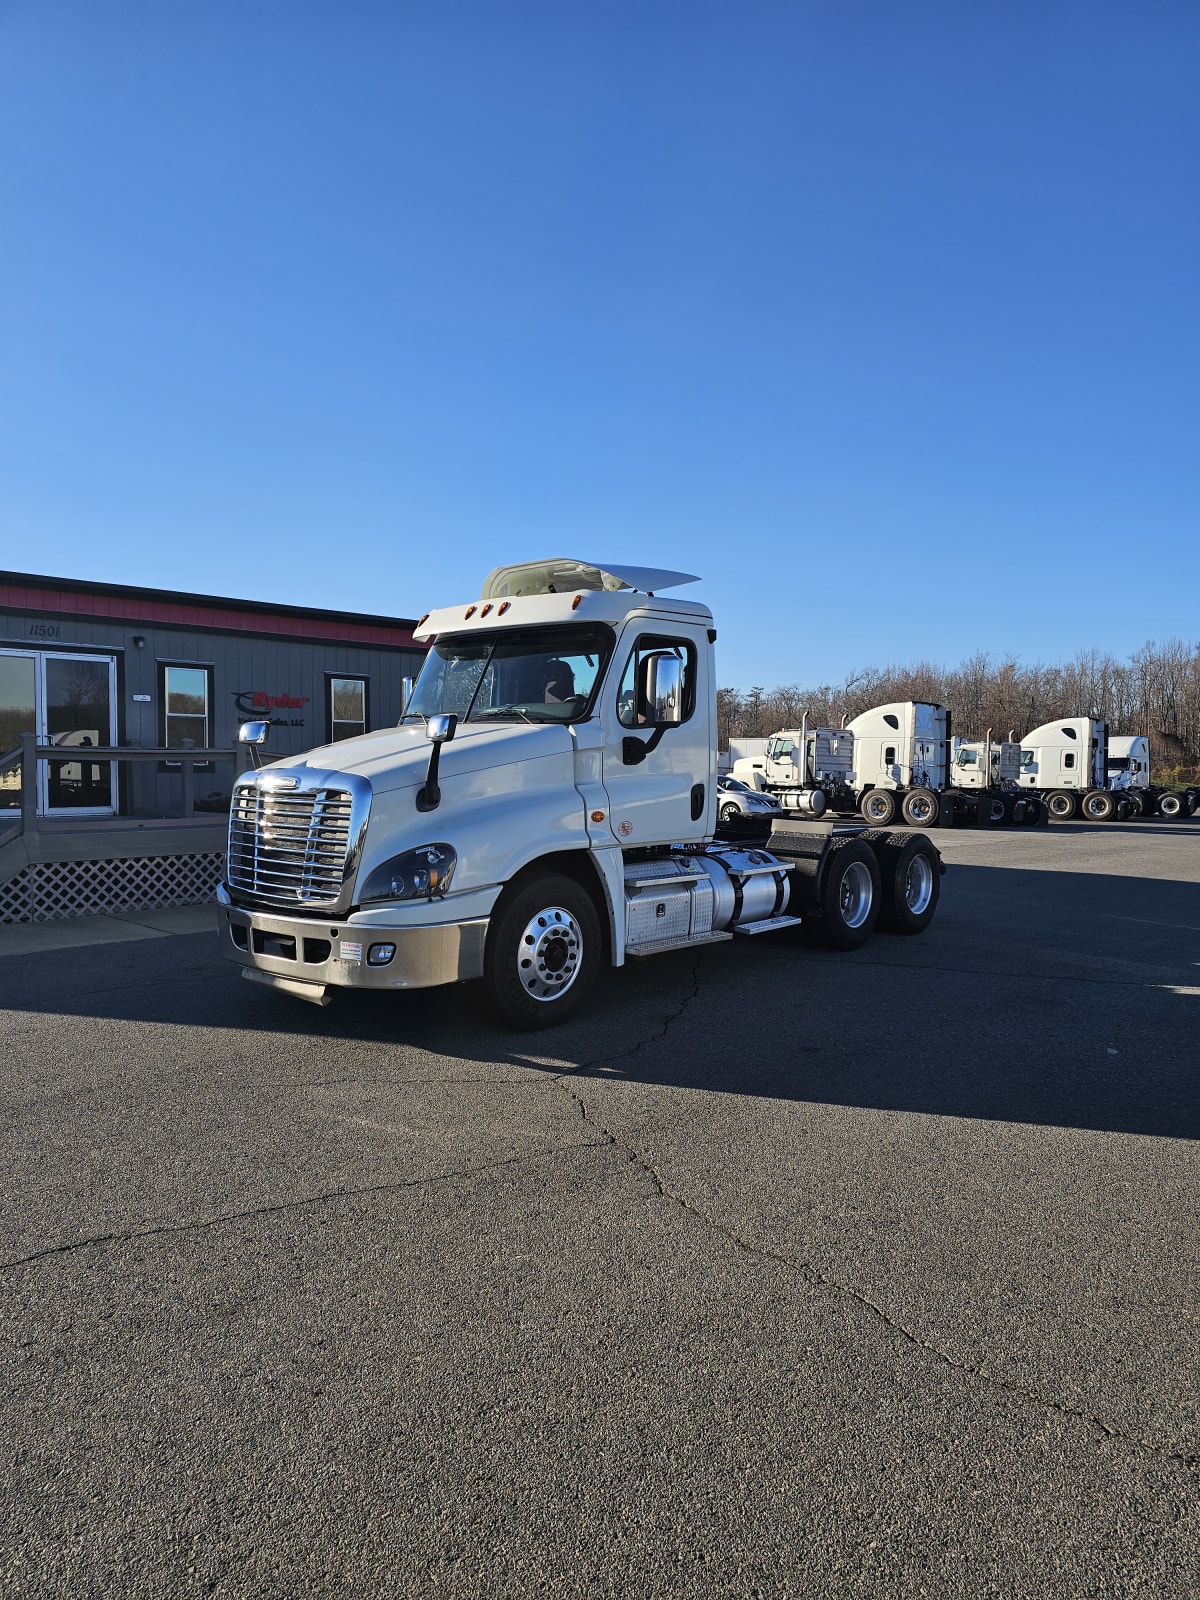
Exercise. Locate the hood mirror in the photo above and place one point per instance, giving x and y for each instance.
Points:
(440, 731)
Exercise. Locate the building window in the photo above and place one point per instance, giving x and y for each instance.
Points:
(347, 708)
(186, 695)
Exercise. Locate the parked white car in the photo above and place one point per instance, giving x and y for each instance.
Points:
(738, 799)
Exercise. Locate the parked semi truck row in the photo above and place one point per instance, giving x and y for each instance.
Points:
(896, 760)
(547, 805)
(902, 758)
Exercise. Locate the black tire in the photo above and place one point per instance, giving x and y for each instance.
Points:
(1172, 806)
(1098, 806)
(920, 808)
(543, 951)
(1008, 807)
(879, 807)
(730, 810)
(1190, 801)
(850, 894)
(1035, 811)
(1137, 802)
(1062, 805)
(910, 872)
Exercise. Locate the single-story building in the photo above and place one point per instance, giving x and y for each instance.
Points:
(107, 664)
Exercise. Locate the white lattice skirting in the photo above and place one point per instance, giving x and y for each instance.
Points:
(43, 891)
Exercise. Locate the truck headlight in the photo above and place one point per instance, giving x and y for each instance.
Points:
(420, 874)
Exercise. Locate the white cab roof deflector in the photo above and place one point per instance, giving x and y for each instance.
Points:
(563, 575)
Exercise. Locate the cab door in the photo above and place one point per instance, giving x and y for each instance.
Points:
(660, 777)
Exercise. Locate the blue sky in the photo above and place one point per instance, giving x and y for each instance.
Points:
(882, 317)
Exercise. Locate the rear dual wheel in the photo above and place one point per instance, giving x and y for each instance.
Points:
(1099, 806)
(920, 808)
(1061, 804)
(1171, 805)
(911, 879)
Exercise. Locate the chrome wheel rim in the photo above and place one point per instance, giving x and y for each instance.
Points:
(920, 808)
(918, 885)
(1096, 806)
(1060, 807)
(549, 953)
(877, 810)
(854, 895)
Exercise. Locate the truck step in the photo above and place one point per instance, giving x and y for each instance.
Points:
(769, 925)
(661, 945)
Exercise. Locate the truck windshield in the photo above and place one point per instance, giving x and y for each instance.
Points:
(537, 675)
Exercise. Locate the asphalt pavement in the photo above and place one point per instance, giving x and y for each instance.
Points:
(777, 1272)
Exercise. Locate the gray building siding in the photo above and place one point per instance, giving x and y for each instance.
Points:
(240, 664)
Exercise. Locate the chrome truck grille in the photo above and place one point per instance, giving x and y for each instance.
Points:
(295, 837)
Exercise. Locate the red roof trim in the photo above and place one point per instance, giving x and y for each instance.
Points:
(219, 619)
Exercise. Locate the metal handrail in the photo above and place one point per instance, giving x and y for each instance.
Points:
(30, 752)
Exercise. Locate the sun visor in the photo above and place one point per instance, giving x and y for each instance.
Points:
(561, 575)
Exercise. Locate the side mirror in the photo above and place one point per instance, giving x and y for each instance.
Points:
(439, 729)
(662, 688)
(254, 732)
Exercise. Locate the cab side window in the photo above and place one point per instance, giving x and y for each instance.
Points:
(632, 714)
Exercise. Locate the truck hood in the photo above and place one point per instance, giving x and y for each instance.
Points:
(398, 758)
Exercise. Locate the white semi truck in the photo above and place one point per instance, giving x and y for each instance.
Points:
(547, 804)
(1128, 773)
(898, 759)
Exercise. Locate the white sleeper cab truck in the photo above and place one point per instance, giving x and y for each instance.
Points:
(547, 804)
(1129, 775)
(1065, 763)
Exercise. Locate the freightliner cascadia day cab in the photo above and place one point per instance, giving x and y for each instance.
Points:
(547, 804)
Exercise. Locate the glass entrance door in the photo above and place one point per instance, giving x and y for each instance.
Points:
(18, 715)
(78, 701)
(67, 700)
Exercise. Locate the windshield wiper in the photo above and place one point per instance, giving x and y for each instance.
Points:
(501, 711)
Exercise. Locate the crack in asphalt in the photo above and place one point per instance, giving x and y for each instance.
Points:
(127, 1236)
(813, 1275)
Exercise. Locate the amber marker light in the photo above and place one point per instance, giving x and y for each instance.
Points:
(486, 609)
(597, 816)
(503, 608)
(577, 602)
(469, 612)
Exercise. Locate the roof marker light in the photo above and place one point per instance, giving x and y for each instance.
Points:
(470, 612)
(486, 609)
(503, 607)
(577, 602)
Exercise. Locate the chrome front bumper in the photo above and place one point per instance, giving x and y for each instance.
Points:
(306, 957)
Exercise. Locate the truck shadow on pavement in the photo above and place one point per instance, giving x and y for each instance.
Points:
(1066, 999)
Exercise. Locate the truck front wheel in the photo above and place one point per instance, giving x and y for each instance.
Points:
(543, 951)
